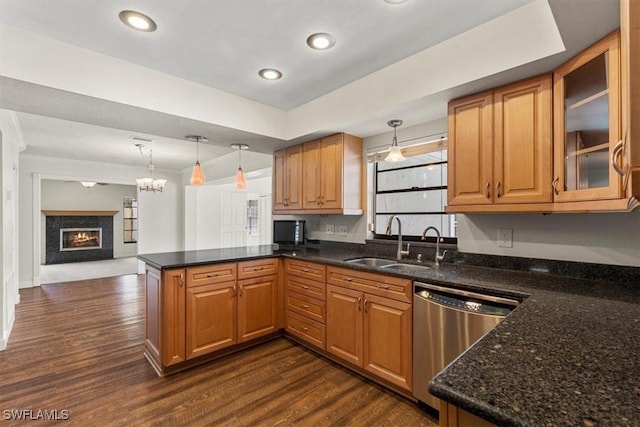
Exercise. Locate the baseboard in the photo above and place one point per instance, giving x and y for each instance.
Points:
(25, 284)
(6, 333)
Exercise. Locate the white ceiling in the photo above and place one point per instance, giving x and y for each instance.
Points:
(222, 45)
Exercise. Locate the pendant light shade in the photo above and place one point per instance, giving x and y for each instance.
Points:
(395, 154)
(241, 181)
(197, 177)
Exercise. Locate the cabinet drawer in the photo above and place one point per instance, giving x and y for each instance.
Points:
(301, 268)
(306, 306)
(209, 274)
(257, 268)
(306, 329)
(307, 287)
(376, 284)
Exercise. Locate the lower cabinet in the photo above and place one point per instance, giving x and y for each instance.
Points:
(372, 332)
(196, 311)
(452, 416)
(211, 318)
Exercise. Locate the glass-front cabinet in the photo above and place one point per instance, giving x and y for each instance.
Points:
(587, 124)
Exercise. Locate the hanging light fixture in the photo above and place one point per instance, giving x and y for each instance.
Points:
(197, 177)
(395, 155)
(150, 183)
(241, 182)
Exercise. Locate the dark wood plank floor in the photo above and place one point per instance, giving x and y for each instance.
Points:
(78, 347)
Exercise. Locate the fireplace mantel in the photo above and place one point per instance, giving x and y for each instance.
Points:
(79, 213)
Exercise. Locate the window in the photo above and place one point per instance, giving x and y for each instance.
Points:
(130, 215)
(415, 191)
(252, 217)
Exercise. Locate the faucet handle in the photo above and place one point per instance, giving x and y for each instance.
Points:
(440, 257)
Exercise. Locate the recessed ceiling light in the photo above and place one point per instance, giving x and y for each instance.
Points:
(137, 21)
(396, 1)
(270, 74)
(321, 41)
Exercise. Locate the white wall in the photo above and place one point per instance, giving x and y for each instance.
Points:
(11, 144)
(160, 215)
(70, 195)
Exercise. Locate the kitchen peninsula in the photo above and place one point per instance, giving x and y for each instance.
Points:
(566, 356)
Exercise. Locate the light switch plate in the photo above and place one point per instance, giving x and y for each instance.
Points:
(505, 237)
(343, 230)
(330, 229)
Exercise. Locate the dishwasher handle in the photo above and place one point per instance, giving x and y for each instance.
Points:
(471, 302)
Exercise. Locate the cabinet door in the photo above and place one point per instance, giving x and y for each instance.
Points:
(388, 340)
(211, 318)
(173, 316)
(344, 324)
(257, 307)
(279, 179)
(470, 150)
(587, 124)
(331, 161)
(522, 142)
(294, 178)
(312, 161)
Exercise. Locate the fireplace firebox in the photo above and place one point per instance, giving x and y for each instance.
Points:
(80, 239)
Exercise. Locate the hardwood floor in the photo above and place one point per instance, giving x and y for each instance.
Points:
(78, 346)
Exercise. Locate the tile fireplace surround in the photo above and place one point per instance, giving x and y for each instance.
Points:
(59, 221)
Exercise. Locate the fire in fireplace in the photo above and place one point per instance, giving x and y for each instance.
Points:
(78, 239)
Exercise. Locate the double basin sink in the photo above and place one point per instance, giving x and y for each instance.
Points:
(387, 264)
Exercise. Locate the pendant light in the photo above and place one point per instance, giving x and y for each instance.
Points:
(197, 177)
(395, 155)
(241, 182)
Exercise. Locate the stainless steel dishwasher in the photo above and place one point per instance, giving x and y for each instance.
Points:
(446, 322)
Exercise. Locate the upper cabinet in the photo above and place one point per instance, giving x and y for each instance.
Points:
(330, 177)
(587, 124)
(500, 146)
(566, 146)
(287, 180)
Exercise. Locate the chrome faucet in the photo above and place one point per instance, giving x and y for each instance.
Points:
(400, 252)
(438, 257)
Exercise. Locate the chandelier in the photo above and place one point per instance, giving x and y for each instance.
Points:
(150, 183)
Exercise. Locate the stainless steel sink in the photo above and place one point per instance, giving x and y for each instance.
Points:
(372, 262)
(405, 267)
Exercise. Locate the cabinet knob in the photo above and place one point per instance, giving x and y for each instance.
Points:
(359, 303)
(305, 306)
(488, 190)
(305, 287)
(382, 286)
(240, 288)
(258, 268)
(348, 279)
(366, 302)
(212, 275)
(498, 190)
(304, 328)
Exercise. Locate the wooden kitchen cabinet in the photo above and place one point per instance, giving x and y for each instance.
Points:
(452, 416)
(368, 328)
(305, 301)
(172, 316)
(330, 177)
(344, 324)
(211, 318)
(500, 147)
(287, 180)
(257, 307)
(587, 124)
(470, 150)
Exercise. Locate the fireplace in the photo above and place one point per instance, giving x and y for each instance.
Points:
(80, 239)
(77, 236)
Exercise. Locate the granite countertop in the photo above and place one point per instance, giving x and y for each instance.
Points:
(568, 355)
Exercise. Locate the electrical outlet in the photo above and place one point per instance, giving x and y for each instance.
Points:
(343, 230)
(330, 229)
(505, 237)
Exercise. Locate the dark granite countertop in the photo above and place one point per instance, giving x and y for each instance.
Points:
(568, 355)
